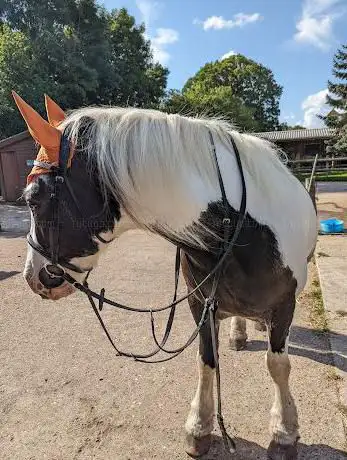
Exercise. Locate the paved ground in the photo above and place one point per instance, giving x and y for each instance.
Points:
(331, 257)
(64, 395)
(13, 218)
(332, 200)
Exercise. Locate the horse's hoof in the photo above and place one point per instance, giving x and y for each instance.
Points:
(237, 344)
(282, 451)
(260, 326)
(198, 446)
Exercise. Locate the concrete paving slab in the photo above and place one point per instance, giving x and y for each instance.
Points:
(331, 257)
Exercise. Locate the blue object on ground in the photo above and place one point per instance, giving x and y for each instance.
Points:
(332, 225)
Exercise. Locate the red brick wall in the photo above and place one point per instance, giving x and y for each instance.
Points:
(13, 158)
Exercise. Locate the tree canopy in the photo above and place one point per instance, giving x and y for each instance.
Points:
(337, 99)
(77, 52)
(82, 54)
(237, 88)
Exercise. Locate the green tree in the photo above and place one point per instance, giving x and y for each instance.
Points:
(247, 81)
(337, 99)
(218, 102)
(18, 69)
(136, 79)
(77, 52)
(285, 127)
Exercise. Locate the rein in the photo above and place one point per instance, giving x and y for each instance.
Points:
(210, 303)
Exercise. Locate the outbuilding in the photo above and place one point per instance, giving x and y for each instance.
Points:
(300, 143)
(16, 153)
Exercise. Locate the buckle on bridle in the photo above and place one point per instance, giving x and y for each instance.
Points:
(60, 179)
(226, 221)
(211, 303)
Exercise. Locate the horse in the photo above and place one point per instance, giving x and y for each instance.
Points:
(137, 168)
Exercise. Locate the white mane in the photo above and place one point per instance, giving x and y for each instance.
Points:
(159, 165)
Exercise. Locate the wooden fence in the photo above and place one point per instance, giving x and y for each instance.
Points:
(324, 165)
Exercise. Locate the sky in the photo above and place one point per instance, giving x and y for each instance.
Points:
(296, 39)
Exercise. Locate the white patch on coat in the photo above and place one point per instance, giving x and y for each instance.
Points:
(274, 198)
(161, 167)
(35, 261)
(283, 416)
(200, 419)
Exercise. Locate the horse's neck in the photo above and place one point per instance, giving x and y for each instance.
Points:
(179, 202)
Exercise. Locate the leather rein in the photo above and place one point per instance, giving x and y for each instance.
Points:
(210, 303)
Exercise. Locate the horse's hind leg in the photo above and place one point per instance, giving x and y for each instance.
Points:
(260, 326)
(238, 334)
(199, 424)
(284, 417)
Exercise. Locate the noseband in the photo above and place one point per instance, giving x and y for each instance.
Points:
(210, 303)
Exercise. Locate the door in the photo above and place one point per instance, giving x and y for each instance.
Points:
(10, 183)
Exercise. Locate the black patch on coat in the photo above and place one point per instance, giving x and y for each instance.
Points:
(77, 226)
(254, 282)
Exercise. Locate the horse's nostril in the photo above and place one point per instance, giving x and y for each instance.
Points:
(50, 281)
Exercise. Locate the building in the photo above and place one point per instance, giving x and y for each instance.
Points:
(15, 152)
(300, 143)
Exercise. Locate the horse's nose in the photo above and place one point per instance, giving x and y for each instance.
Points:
(50, 281)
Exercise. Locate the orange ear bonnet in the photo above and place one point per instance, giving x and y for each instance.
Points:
(44, 133)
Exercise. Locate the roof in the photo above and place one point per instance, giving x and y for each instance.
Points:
(296, 134)
(13, 139)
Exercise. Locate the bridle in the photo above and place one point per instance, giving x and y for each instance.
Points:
(60, 178)
(210, 303)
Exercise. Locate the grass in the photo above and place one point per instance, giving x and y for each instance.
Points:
(332, 375)
(343, 409)
(317, 313)
(334, 177)
(322, 254)
(331, 177)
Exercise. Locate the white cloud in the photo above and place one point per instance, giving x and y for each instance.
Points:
(289, 117)
(162, 37)
(149, 10)
(315, 26)
(227, 55)
(313, 105)
(218, 22)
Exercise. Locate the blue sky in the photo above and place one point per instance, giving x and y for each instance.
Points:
(296, 39)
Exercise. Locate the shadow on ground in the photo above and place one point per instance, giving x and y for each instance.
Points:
(312, 345)
(4, 275)
(12, 234)
(246, 450)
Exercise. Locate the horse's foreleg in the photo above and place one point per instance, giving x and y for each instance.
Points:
(238, 334)
(199, 424)
(284, 417)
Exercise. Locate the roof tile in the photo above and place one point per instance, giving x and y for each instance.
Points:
(296, 134)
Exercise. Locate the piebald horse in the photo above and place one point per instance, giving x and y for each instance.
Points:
(135, 168)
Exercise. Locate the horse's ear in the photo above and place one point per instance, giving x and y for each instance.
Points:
(45, 134)
(55, 113)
